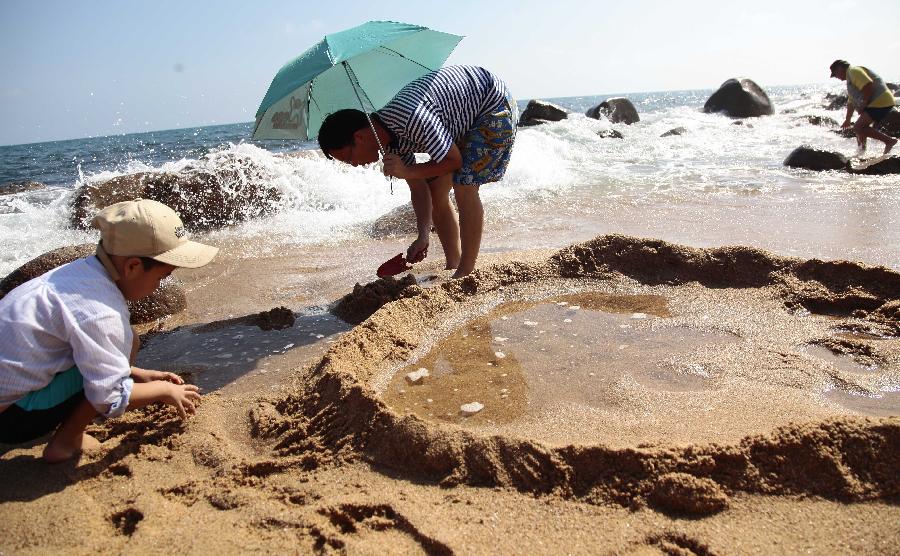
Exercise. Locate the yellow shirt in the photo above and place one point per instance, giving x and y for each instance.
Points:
(859, 78)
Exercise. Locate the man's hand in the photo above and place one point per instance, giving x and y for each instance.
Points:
(417, 251)
(846, 124)
(147, 375)
(394, 166)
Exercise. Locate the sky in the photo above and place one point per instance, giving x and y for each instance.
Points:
(72, 69)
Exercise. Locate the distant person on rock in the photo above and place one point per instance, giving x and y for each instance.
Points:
(66, 345)
(869, 95)
(464, 119)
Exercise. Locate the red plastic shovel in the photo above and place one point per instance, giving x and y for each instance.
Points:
(393, 266)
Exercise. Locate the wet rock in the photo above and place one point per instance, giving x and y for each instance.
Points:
(739, 98)
(675, 132)
(20, 187)
(609, 134)
(836, 101)
(617, 110)
(221, 191)
(169, 298)
(681, 493)
(41, 264)
(540, 111)
(819, 120)
(278, 318)
(816, 159)
(890, 124)
(890, 165)
(399, 221)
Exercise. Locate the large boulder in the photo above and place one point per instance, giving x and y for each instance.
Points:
(816, 159)
(540, 112)
(222, 190)
(399, 221)
(169, 298)
(618, 110)
(739, 98)
(20, 187)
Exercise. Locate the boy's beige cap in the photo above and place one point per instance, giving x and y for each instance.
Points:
(145, 228)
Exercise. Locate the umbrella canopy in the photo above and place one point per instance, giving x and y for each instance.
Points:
(370, 63)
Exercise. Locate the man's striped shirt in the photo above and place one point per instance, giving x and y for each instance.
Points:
(436, 110)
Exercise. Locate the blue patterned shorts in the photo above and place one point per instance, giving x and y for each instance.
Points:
(486, 147)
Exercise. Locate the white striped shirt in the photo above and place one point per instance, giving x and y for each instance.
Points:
(71, 315)
(433, 112)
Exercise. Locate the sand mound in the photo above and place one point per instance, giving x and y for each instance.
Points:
(337, 413)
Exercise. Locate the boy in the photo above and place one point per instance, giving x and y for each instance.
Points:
(870, 96)
(66, 345)
(464, 118)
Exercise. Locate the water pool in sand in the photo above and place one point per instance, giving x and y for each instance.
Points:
(573, 368)
(529, 359)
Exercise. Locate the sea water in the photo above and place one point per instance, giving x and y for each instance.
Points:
(717, 183)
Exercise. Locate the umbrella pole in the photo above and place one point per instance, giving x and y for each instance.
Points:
(354, 82)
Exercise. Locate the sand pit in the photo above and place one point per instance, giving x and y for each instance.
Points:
(682, 371)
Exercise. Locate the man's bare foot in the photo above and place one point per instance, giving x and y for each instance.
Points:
(58, 451)
(889, 145)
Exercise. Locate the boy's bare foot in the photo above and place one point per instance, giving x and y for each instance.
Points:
(58, 451)
(889, 145)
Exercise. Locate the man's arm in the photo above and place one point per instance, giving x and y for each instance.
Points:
(394, 166)
(420, 196)
(867, 97)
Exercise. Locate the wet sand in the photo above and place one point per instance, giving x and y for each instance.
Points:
(753, 409)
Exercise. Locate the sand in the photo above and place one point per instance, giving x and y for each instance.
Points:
(753, 409)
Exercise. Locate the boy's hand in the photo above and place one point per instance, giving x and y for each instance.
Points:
(184, 397)
(147, 375)
(394, 166)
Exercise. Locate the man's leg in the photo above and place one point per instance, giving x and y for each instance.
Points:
(443, 216)
(471, 224)
(70, 438)
(863, 128)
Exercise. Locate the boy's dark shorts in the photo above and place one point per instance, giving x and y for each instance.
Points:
(878, 114)
(41, 411)
(18, 426)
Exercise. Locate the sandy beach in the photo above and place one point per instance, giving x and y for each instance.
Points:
(639, 397)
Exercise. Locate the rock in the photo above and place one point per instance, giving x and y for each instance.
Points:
(617, 110)
(169, 298)
(224, 190)
(890, 165)
(20, 186)
(470, 409)
(416, 377)
(539, 111)
(609, 134)
(399, 221)
(41, 264)
(819, 120)
(739, 98)
(674, 132)
(816, 159)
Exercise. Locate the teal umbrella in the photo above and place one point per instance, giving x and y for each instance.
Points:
(369, 63)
